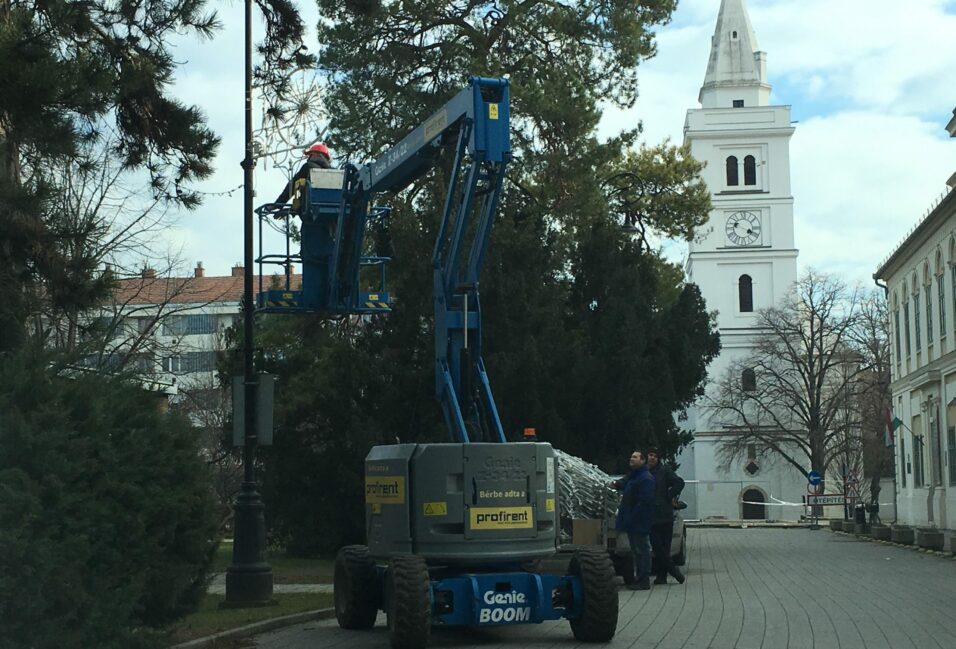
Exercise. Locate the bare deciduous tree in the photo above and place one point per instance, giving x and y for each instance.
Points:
(875, 398)
(799, 394)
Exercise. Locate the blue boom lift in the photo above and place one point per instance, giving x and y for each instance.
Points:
(451, 527)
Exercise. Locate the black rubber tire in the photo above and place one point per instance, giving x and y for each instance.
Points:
(356, 588)
(681, 558)
(408, 602)
(598, 619)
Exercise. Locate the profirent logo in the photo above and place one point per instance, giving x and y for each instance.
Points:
(487, 518)
(385, 490)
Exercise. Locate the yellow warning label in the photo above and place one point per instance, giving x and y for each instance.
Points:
(376, 508)
(436, 509)
(385, 490)
(497, 518)
(435, 124)
(492, 111)
(549, 505)
(373, 296)
(287, 296)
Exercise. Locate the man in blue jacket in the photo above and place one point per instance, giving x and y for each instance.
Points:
(636, 515)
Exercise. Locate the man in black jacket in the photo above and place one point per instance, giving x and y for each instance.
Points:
(668, 486)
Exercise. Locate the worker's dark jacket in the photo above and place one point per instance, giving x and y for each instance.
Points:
(301, 174)
(668, 486)
(636, 512)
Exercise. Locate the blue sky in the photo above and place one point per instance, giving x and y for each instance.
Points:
(872, 84)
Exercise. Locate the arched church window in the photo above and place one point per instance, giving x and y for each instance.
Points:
(748, 380)
(750, 170)
(745, 293)
(732, 174)
(734, 34)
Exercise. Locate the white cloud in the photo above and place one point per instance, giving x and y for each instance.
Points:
(871, 81)
(860, 182)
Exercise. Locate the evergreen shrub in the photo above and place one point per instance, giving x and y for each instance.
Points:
(107, 519)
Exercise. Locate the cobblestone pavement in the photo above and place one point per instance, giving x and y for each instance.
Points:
(746, 589)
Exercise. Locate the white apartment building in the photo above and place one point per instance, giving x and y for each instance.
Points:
(920, 278)
(173, 327)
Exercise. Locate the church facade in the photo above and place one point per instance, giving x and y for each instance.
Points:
(744, 259)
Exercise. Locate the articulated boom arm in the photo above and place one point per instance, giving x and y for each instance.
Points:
(335, 207)
(476, 123)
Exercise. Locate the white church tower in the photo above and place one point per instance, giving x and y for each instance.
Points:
(744, 258)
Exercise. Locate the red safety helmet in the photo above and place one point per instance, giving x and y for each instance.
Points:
(318, 147)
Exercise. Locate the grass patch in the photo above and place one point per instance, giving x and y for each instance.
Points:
(285, 569)
(210, 619)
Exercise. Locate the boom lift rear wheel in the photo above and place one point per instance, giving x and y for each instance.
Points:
(356, 588)
(408, 602)
(598, 619)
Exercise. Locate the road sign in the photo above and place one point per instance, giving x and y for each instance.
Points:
(826, 500)
(814, 478)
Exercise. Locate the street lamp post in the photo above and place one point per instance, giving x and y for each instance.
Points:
(249, 577)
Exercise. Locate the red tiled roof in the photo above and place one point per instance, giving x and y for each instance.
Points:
(188, 290)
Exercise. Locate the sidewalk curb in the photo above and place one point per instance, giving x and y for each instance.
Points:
(942, 554)
(745, 525)
(258, 627)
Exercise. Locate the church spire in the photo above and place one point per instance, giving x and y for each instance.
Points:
(737, 70)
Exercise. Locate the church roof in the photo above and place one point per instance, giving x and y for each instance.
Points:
(733, 49)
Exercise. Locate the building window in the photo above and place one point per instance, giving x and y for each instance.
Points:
(940, 293)
(738, 103)
(732, 178)
(745, 294)
(929, 315)
(896, 331)
(748, 381)
(937, 450)
(901, 442)
(733, 34)
(918, 477)
(750, 170)
(906, 328)
(951, 451)
(919, 343)
(188, 325)
(190, 363)
(954, 293)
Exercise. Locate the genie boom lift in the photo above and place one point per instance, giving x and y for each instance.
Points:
(451, 526)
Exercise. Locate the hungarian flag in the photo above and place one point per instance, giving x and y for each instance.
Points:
(892, 423)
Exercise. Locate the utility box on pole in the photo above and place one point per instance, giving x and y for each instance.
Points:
(265, 397)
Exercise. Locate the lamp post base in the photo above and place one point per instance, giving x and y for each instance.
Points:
(249, 578)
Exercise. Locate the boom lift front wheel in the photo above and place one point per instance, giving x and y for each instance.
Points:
(598, 619)
(408, 602)
(356, 588)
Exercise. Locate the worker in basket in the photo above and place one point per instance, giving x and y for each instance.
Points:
(318, 158)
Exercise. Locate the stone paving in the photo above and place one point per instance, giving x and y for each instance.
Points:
(746, 589)
(218, 587)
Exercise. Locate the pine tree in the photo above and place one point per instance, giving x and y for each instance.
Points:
(72, 73)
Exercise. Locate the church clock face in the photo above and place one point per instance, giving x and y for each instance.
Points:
(743, 228)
